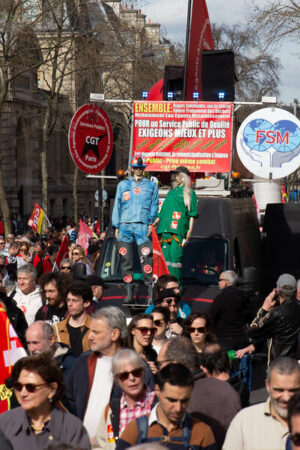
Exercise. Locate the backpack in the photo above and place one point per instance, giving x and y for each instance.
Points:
(142, 423)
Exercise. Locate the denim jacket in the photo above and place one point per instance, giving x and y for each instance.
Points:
(136, 201)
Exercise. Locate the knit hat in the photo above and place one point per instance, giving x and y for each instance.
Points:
(166, 293)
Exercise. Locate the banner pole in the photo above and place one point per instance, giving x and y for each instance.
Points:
(131, 136)
(187, 45)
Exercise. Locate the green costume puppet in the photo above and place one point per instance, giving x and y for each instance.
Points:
(176, 221)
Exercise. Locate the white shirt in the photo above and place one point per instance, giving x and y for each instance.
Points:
(29, 304)
(254, 428)
(99, 395)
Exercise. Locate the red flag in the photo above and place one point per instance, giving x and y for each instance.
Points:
(159, 263)
(156, 92)
(1, 228)
(201, 38)
(10, 351)
(62, 252)
(84, 234)
(98, 227)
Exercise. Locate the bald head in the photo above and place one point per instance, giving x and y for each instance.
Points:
(39, 338)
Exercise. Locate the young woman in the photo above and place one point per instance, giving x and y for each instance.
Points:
(140, 336)
(198, 327)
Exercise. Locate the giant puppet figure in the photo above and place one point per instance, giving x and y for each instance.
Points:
(135, 210)
(176, 220)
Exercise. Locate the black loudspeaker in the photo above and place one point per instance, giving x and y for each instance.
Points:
(173, 82)
(218, 75)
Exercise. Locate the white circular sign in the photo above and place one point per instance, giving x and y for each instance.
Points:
(268, 142)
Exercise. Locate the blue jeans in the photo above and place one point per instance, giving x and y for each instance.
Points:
(129, 232)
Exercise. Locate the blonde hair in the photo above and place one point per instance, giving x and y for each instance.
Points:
(186, 189)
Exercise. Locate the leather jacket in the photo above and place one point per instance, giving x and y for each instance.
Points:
(282, 324)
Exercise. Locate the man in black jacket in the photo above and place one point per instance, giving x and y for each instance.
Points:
(230, 313)
(279, 319)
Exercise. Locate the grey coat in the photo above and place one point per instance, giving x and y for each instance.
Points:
(62, 428)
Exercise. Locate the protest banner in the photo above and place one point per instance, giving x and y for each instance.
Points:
(197, 135)
(11, 350)
(38, 220)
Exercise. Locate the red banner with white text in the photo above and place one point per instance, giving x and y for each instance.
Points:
(201, 38)
(197, 135)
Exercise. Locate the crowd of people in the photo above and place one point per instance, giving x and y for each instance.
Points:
(95, 379)
(167, 377)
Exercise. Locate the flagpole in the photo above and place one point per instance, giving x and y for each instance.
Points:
(187, 44)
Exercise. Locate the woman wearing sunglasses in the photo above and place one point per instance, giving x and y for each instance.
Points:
(78, 256)
(38, 385)
(136, 399)
(198, 327)
(140, 336)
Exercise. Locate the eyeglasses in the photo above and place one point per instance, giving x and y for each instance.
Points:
(146, 330)
(296, 438)
(199, 329)
(158, 323)
(66, 268)
(136, 373)
(28, 386)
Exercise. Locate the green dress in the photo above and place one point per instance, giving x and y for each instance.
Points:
(173, 226)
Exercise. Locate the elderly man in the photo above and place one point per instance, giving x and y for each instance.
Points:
(28, 295)
(279, 319)
(264, 426)
(90, 382)
(40, 339)
(230, 312)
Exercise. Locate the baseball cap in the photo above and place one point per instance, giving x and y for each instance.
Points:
(286, 280)
(182, 169)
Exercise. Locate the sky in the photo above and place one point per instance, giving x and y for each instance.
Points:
(171, 14)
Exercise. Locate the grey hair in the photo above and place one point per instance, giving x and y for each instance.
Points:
(46, 328)
(230, 276)
(28, 268)
(283, 365)
(186, 189)
(182, 350)
(67, 261)
(126, 355)
(114, 317)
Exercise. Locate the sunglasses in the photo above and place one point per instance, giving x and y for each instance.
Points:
(65, 268)
(29, 386)
(75, 253)
(171, 300)
(136, 373)
(296, 438)
(158, 322)
(146, 330)
(199, 329)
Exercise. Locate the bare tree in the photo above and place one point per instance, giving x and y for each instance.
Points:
(277, 20)
(256, 69)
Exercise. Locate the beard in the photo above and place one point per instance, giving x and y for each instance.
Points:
(282, 412)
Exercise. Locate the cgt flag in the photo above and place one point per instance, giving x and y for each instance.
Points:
(159, 263)
(38, 220)
(10, 351)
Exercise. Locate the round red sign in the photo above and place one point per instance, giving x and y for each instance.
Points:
(90, 139)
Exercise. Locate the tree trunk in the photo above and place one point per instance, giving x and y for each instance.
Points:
(44, 171)
(75, 196)
(4, 204)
